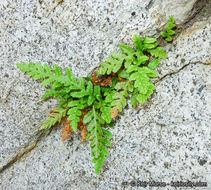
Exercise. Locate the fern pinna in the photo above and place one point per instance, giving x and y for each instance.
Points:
(168, 29)
(90, 104)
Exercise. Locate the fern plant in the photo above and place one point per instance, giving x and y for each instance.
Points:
(137, 67)
(100, 137)
(74, 95)
(168, 29)
(55, 116)
(90, 104)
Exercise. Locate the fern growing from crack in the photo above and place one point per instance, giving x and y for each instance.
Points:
(168, 29)
(90, 104)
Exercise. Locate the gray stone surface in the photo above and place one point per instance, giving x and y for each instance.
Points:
(179, 9)
(166, 139)
(192, 45)
(72, 34)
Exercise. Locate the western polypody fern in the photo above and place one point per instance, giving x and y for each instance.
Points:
(131, 71)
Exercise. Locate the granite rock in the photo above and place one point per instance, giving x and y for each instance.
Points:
(75, 34)
(180, 9)
(166, 139)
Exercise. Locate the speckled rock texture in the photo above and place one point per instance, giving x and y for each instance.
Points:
(167, 139)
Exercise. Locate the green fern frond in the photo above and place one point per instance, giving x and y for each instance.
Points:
(133, 68)
(142, 97)
(50, 93)
(144, 44)
(127, 86)
(141, 77)
(158, 52)
(133, 98)
(37, 71)
(150, 43)
(138, 97)
(54, 117)
(138, 43)
(153, 64)
(111, 64)
(148, 40)
(108, 96)
(119, 100)
(127, 49)
(130, 56)
(90, 91)
(100, 138)
(97, 92)
(106, 114)
(137, 57)
(123, 74)
(168, 28)
(74, 111)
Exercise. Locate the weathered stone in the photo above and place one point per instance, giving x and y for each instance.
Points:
(180, 10)
(192, 45)
(71, 34)
(164, 140)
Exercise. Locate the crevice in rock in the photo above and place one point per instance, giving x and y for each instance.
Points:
(200, 11)
(58, 3)
(28, 148)
(40, 135)
(149, 5)
(197, 13)
(52, 9)
(179, 70)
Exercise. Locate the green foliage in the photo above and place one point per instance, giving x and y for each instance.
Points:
(153, 64)
(129, 55)
(37, 71)
(168, 29)
(106, 114)
(139, 68)
(158, 52)
(54, 117)
(131, 71)
(142, 82)
(74, 111)
(119, 100)
(111, 64)
(144, 44)
(100, 138)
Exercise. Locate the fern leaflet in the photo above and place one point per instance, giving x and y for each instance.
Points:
(74, 112)
(55, 116)
(111, 64)
(100, 138)
(168, 28)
